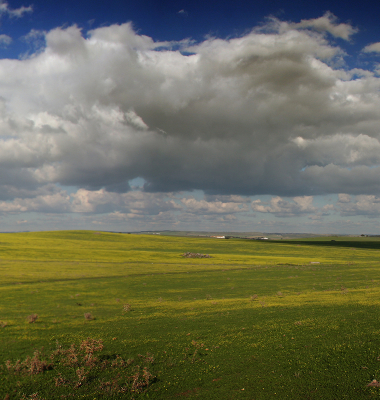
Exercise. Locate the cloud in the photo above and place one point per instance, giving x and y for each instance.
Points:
(344, 198)
(36, 39)
(362, 205)
(203, 207)
(84, 201)
(372, 48)
(351, 150)
(283, 208)
(14, 13)
(327, 23)
(227, 198)
(136, 208)
(265, 113)
(5, 40)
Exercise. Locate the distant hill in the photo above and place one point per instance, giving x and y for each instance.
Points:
(247, 235)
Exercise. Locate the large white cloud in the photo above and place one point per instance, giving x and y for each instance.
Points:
(266, 113)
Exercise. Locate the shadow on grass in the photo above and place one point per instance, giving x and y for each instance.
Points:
(359, 244)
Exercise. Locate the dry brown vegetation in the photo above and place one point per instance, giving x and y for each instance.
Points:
(126, 307)
(195, 255)
(88, 316)
(32, 318)
(128, 376)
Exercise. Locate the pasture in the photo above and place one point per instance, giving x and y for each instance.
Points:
(93, 315)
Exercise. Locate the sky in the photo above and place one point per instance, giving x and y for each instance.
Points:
(190, 115)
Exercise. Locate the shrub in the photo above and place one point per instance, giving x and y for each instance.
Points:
(32, 318)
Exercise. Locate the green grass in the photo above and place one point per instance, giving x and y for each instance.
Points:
(312, 331)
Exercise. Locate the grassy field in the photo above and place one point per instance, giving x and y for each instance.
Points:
(91, 315)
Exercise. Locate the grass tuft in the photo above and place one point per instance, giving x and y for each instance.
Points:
(88, 316)
(32, 318)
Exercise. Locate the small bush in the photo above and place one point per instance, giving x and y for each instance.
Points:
(32, 318)
(31, 366)
(140, 379)
(60, 380)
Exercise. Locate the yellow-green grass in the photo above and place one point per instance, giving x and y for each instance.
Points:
(312, 331)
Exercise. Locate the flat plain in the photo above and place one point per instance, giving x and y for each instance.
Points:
(95, 315)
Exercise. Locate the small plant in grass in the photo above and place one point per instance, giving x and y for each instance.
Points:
(88, 316)
(148, 358)
(110, 386)
(60, 380)
(140, 379)
(71, 356)
(31, 366)
(127, 307)
(33, 396)
(32, 318)
(90, 346)
(197, 346)
(82, 375)
(119, 362)
(374, 383)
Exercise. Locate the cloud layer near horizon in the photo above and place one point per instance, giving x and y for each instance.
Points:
(273, 112)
